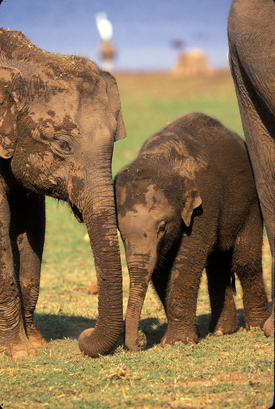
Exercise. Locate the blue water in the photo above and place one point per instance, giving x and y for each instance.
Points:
(142, 29)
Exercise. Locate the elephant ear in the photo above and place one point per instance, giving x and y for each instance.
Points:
(113, 94)
(191, 199)
(8, 110)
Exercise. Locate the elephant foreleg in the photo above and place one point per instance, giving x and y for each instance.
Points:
(30, 246)
(13, 338)
(182, 294)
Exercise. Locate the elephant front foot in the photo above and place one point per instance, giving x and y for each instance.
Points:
(14, 342)
(223, 329)
(35, 337)
(220, 331)
(173, 337)
(19, 350)
(22, 351)
(136, 343)
(224, 324)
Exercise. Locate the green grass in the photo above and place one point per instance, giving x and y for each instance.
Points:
(149, 102)
(234, 371)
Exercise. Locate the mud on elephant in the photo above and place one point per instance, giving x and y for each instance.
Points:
(251, 37)
(60, 116)
(188, 202)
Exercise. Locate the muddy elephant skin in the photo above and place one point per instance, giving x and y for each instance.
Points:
(188, 202)
(251, 35)
(59, 118)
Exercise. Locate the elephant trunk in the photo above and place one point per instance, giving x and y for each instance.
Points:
(139, 280)
(98, 213)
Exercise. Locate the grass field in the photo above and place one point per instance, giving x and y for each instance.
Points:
(234, 371)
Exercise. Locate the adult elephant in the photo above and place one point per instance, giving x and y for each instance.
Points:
(251, 33)
(59, 118)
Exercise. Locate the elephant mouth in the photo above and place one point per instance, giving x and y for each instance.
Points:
(77, 213)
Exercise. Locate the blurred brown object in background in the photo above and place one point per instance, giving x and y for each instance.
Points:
(192, 63)
(92, 289)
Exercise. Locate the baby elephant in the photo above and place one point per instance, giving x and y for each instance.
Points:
(188, 202)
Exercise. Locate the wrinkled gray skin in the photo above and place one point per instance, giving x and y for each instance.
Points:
(59, 118)
(188, 202)
(251, 33)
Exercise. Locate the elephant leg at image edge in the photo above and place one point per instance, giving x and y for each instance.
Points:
(13, 338)
(259, 133)
(268, 327)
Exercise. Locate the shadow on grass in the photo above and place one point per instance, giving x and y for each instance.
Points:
(59, 326)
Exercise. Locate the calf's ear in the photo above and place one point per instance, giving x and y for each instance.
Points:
(9, 78)
(190, 198)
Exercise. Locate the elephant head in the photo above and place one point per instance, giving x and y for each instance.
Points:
(60, 116)
(153, 203)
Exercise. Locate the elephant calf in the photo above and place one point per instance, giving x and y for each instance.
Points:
(188, 202)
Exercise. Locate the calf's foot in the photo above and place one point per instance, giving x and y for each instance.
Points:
(255, 318)
(179, 336)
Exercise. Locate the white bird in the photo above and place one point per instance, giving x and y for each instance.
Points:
(104, 26)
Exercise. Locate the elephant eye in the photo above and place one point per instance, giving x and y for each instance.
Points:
(62, 145)
(161, 228)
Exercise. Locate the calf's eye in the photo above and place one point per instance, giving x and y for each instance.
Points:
(62, 145)
(161, 227)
